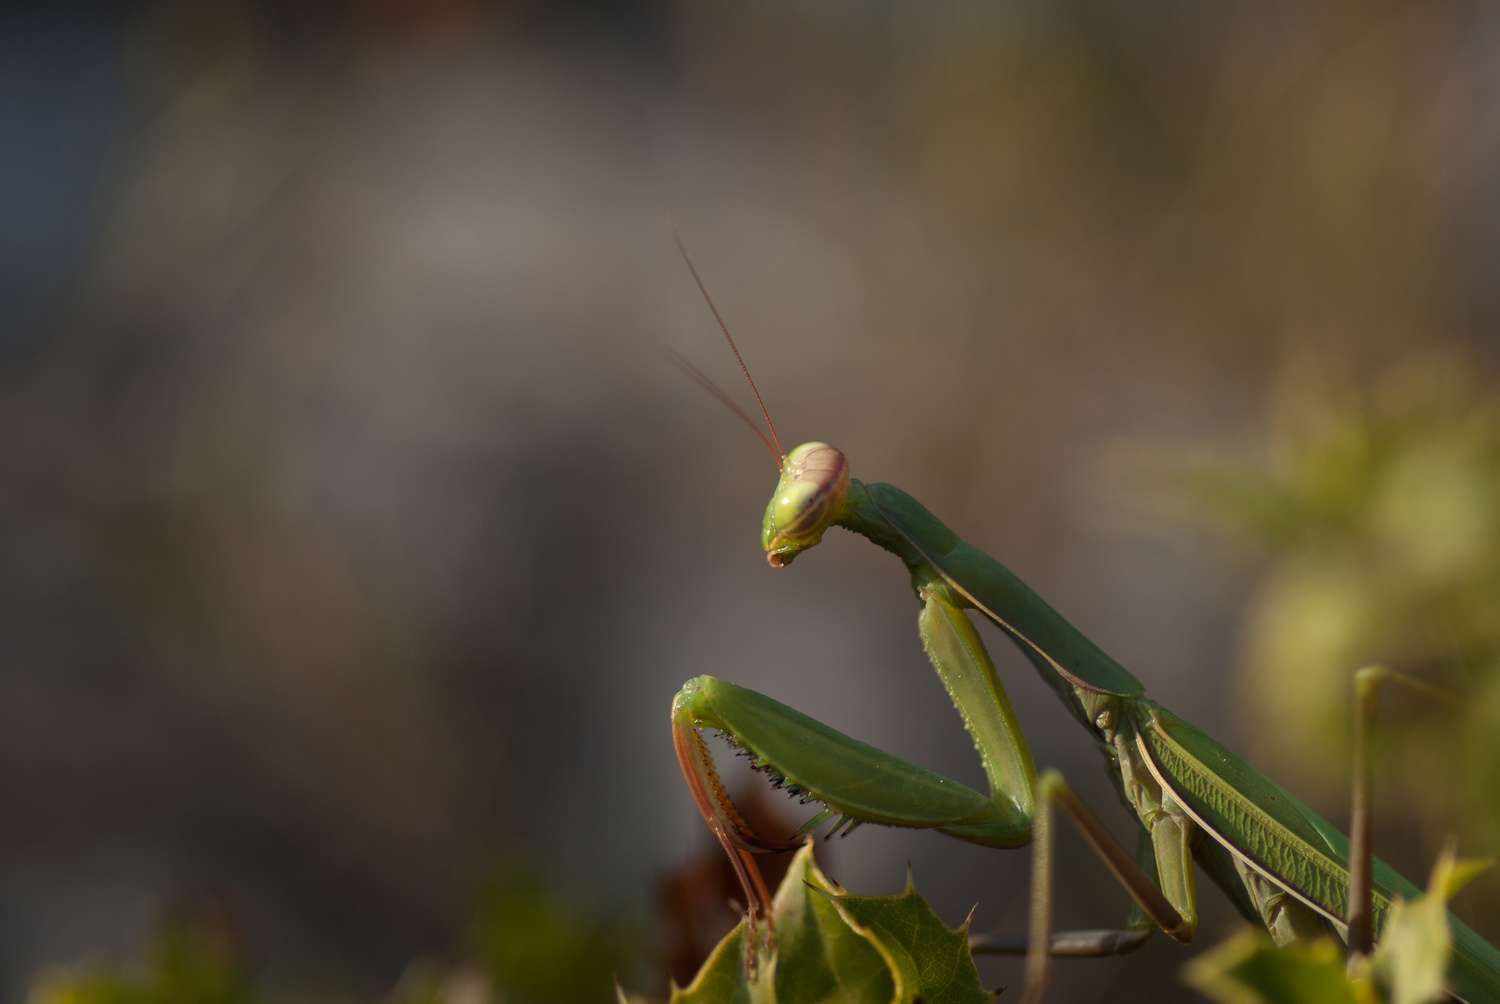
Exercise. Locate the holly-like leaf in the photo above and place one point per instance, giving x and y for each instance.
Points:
(931, 961)
(832, 946)
(819, 956)
(724, 979)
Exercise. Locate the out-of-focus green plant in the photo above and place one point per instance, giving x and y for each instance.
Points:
(1409, 963)
(1378, 512)
(1407, 967)
(834, 946)
(535, 948)
(528, 945)
(429, 983)
(1248, 969)
(189, 963)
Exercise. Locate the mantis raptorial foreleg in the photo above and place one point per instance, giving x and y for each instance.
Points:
(964, 666)
(728, 827)
(857, 782)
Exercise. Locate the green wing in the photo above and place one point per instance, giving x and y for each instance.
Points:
(1289, 841)
(1257, 817)
(994, 590)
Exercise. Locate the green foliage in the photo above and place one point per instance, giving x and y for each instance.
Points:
(834, 946)
(931, 961)
(1407, 967)
(533, 947)
(1415, 946)
(529, 946)
(1248, 969)
(187, 964)
(429, 983)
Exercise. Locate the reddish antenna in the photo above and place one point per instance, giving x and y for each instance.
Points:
(777, 448)
(707, 384)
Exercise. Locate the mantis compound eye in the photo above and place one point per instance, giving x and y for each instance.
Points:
(809, 497)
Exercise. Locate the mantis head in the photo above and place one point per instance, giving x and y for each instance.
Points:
(809, 498)
(814, 477)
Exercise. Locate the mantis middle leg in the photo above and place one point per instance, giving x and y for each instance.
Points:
(1162, 885)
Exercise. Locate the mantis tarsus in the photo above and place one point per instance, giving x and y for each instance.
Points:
(1281, 864)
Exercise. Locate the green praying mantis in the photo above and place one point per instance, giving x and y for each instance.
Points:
(1279, 862)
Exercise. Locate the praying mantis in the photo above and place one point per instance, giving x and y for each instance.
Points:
(1279, 862)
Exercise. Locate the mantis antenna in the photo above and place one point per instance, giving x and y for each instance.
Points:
(703, 380)
(777, 450)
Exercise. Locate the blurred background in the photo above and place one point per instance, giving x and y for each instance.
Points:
(357, 531)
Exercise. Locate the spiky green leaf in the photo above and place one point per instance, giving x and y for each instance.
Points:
(931, 961)
(832, 946)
